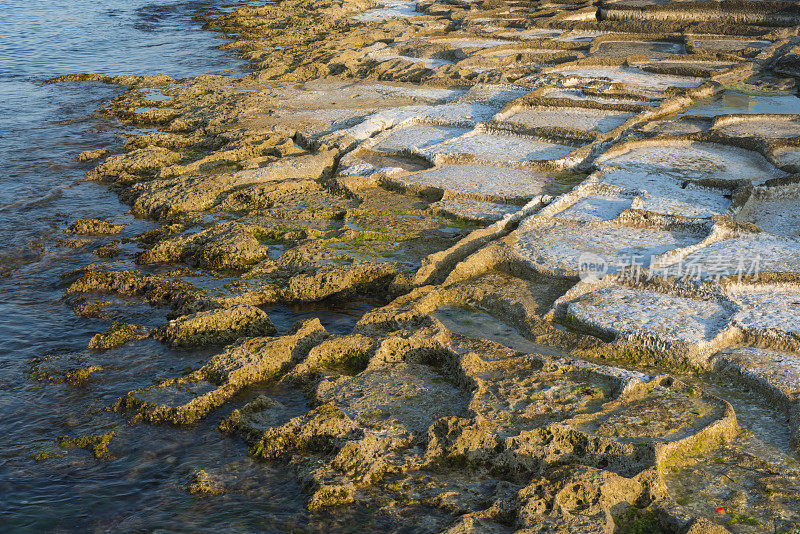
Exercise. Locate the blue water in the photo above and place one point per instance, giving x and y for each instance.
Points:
(51, 37)
(43, 127)
(142, 486)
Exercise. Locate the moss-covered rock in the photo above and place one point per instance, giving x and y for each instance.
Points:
(94, 226)
(117, 334)
(97, 444)
(215, 327)
(187, 399)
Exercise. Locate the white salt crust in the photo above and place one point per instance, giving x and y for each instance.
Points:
(630, 312)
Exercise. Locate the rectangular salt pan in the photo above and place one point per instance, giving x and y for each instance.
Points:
(564, 248)
(669, 318)
(777, 217)
(390, 9)
(694, 161)
(767, 308)
(455, 114)
(733, 102)
(596, 208)
(740, 256)
(576, 118)
(500, 148)
(633, 77)
(415, 138)
(664, 194)
(771, 128)
(492, 182)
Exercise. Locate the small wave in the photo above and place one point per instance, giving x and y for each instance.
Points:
(13, 259)
(28, 203)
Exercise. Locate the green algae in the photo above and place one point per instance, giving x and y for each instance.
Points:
(639, 521)
(79, 377)
(117, 334)
(97, 444)
(349, 362)
(753, 89)
(742, 519)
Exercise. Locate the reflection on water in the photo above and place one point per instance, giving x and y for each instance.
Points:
(732, 102)
(336, 317)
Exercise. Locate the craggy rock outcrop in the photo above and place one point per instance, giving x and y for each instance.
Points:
(92, 155)
(96, 226)
(223, 246)
(186, 399)
(134, 166)
(217, 326)
(116, 335)
(154, 289)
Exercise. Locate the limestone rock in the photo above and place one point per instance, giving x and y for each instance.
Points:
(218, 326)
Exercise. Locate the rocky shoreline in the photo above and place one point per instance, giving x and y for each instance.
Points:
(559, 245)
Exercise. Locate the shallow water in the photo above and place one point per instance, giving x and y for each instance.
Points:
(735, 102)
(337, 317)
